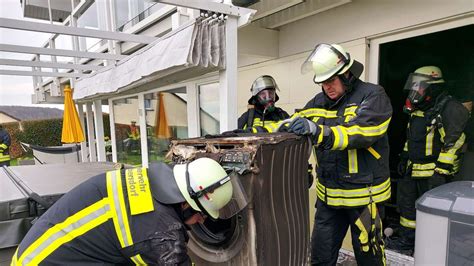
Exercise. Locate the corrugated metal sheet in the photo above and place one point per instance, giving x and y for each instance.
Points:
(274, 228)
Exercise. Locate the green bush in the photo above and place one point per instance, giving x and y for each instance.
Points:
(42, 132)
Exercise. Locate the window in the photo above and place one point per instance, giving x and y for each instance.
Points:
(165, 119)
(127, 131)
(209, 108)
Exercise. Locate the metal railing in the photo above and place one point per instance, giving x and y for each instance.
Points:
(146, 13)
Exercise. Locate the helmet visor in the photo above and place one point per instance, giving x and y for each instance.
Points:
(325, 61)
(417, 85)
(238, 201)
(266, 96)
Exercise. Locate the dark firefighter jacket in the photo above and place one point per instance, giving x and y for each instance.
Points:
(262, 122)
(4, 145)
(352, 149)
(435, 139)
(110, 219)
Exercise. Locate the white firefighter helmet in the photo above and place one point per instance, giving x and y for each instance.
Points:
(204, 184)
(327, 61)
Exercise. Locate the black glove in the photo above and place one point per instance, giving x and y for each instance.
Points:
(303, 126)
(437, 180)
(402, 166)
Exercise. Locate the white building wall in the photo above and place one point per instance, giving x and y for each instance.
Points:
(363, 18)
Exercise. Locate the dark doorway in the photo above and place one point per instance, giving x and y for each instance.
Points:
(453, 52)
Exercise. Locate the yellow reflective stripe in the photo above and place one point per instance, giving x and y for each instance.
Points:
(350, 110)
(254, 130)
(443, 171)
(374, 153)
(354, 193)
(405, 147)
(340, 138)
(320, 137)
(426, 166)
(315, 119)
(442, 133)
(369, 131)
(3, 146)
(14, 258)
(418, 113)
(446, 158)
(363, 236)
(117, 202)
(353, 202)
(5, 157)
(119, 211)
(429, 141)
(318, 112)
(74, 226)
(422, 173)
(137, 259)
(407, 222)
(353, 164)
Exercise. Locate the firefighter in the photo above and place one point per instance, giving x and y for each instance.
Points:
(132, 216)
(263, 115)
(432, 152)
(347, 123)
(5, 143)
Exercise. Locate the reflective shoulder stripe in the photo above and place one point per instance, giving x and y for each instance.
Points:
(119, 212)
(311, 112)
(407, 222)
(350, 110)
(74, 226)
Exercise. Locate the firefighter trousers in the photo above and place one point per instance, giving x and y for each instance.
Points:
(408, 191)
(330, 228)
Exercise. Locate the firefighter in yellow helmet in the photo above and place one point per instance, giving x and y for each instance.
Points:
(433, 149)
(347, 123)
(263, 115)
(132, 216)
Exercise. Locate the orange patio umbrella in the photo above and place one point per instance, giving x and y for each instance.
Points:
(161, 129)
(72, 130)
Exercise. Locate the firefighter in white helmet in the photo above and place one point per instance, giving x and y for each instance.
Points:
(433, 149)
(133, 216)
(347, 123)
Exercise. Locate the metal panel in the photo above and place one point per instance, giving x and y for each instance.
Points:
(274, 228)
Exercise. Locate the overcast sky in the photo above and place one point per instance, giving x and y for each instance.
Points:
(17, 90)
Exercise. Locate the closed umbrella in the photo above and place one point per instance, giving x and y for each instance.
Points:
(72, 130)
(162, 129)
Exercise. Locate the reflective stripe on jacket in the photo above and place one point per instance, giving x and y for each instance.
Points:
(352, 150)
(4, 145)
(111, 218)
(436, 147)
(261, 122)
